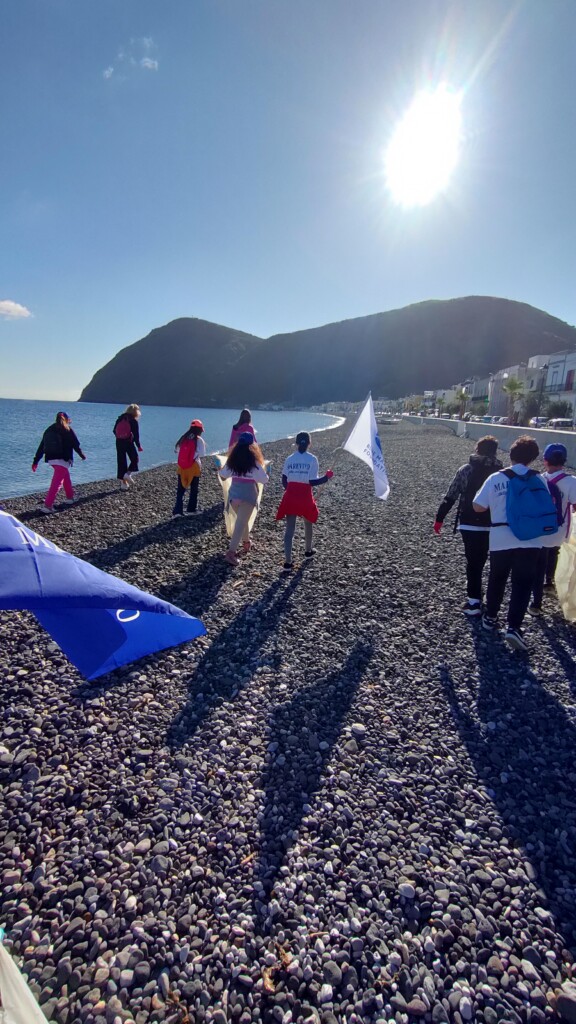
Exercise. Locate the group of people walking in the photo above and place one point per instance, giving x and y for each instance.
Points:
(519, 518)
(244, 473)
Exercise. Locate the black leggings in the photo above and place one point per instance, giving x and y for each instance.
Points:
(126, 450)
(545, 572)
(476, 550)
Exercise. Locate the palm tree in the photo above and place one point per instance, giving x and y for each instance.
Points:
(514, 388)
(461, 398)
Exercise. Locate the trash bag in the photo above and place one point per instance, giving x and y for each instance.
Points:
(229, 513)
(565, 578)
(17, 1004)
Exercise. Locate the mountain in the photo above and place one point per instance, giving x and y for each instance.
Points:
(187, 362)
(428, 345)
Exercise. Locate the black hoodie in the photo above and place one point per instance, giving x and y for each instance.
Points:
(464, 487)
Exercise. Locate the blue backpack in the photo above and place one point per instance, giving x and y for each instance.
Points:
(530, 508)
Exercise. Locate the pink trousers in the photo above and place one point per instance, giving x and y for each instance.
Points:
(60, 479)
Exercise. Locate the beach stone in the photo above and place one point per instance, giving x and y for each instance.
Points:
(566, 1002)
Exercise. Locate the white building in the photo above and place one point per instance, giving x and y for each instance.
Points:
(560, 379)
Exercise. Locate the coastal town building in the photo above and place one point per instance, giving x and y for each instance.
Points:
(560, 383)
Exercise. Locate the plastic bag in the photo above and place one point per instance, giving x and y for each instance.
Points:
(229, 513)
(565, 578)
(17, 1004)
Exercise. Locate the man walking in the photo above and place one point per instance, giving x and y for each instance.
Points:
(516, 512)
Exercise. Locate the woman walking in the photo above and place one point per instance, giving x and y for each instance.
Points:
(244, 426)
(244, 467)
(58, 444)
(299, 475)
(190, 447)
(127, 434)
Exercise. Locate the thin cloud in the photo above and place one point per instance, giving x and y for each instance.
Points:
(138, 54)
(10, 310)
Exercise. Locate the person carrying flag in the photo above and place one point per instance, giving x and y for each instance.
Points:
(300, 474)
(58, 444)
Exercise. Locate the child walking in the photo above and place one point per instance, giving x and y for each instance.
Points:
(191, 447)
(244, 467)
(299, 475)
(58, 444)
(244, 426)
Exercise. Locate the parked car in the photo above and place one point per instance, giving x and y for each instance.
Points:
(538, 421)
(445, 416)
(560, 425)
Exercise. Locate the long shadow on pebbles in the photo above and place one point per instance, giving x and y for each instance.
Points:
(522, 743)
(219, 676)
(295, 768)
(86, 499)
(161, 533)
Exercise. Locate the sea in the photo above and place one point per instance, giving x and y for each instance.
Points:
(22, 423)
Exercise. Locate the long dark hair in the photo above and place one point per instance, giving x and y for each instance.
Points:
(244, 418)
(244, 457)
(192, 432)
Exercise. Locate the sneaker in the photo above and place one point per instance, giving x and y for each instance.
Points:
(124, 485)
(177, 515)
(535, 609)
(489, 624)
(310, 554)
(515, 639)
(231, 557)
(193, 512)
(47, 510)
(472, 608)
(70, 501)
(288, 566)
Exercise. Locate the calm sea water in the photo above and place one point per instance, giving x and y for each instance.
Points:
(22, 424)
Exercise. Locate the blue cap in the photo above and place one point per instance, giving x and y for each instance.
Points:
(555, 449)
(246, 438)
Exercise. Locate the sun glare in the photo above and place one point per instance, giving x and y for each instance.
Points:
(424, 148)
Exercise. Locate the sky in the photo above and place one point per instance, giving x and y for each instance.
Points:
(225, 159)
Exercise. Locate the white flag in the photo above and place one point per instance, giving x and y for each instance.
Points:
(364, 443)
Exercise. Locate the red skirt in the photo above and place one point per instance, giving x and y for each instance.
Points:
(298, 500)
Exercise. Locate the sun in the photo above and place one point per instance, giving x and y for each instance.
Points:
(424, 148)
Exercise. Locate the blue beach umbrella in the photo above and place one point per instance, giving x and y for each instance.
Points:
(98, 620)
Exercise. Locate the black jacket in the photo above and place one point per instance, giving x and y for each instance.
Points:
(58, 443)
(133, 427)
(464, 487)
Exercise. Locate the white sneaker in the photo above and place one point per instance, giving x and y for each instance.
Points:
(47, 511)
(124, 485)
(70, 501)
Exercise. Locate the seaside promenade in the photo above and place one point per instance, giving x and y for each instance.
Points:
(345, 804)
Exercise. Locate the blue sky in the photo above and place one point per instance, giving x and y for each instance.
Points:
(223, 159)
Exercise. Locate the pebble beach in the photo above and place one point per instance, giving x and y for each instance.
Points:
(346, 804)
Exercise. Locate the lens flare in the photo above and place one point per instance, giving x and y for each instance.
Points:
(424, 148)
